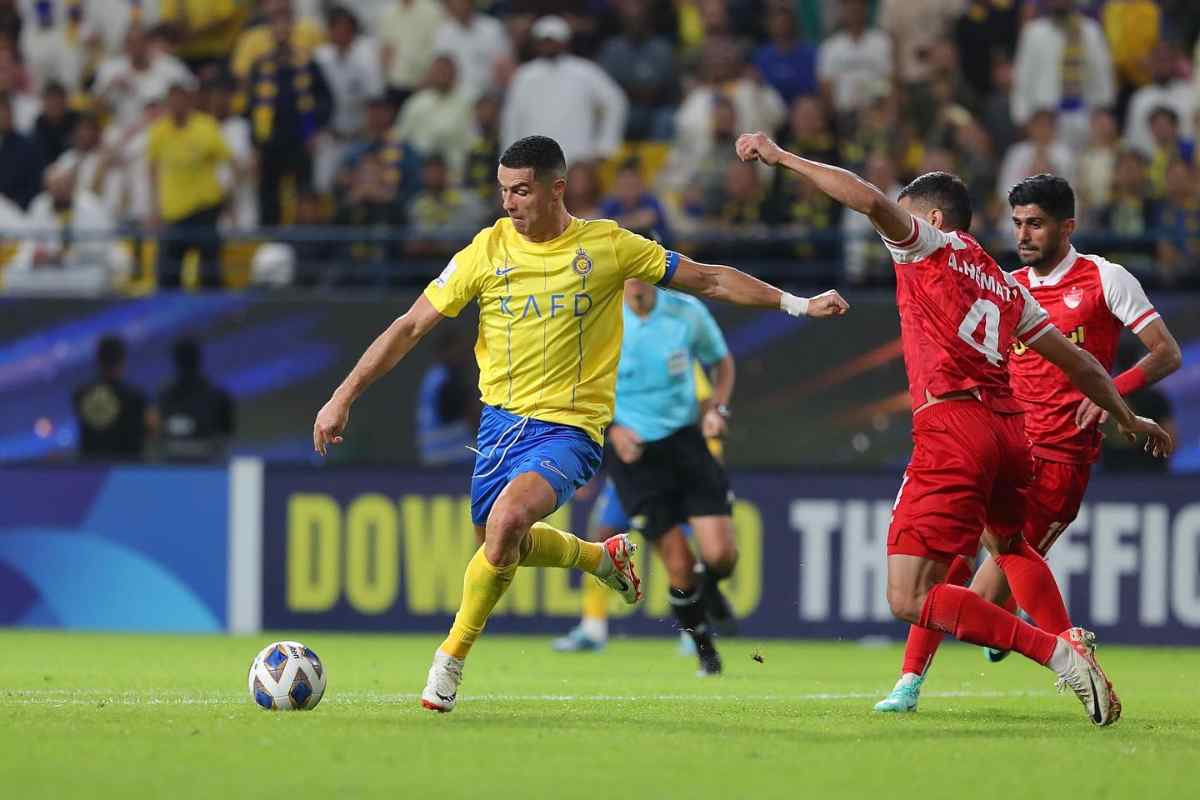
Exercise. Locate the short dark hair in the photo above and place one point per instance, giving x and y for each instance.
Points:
(110, 352)
(539, 153)
(344, 14)
(1051, 193)
(186, 355)
(944, 192)
(1164, 111)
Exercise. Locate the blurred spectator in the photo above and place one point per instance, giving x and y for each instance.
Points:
(14, 82)
(51, 42)
(1121, 455)
(207, 29)
(915, 27)
(483, 156)
(290, 106)
(1063, 63)
(185, 151)
(996, 108)
(643, 65)
(127, 82)
(21, 160)
(695, 169)
(406, 32)
(582, 196)
(798, 208)
(440, 213)
(742, 204)
(305, 261)
(53, 129)
(350, 63)
(109, 22)
(438, 118)
(633, 207)
(447, 403)
(809, 133)
(702, 121)
(867, 259)
(1041, 151)
(1179, 226)
(855, 62)
(565, 97)
(875, 129)
(1097, 166)
(303, 36)
(239, 174)
(478, 43)
(93, 164)
(1131, 213)
(986, 31)
(1132, 28)
(197, 416)
(10, 21)
(1165, 90)
(787, 63)
(380, 170)
(73, 246)
(112, 414)
(1167, 146)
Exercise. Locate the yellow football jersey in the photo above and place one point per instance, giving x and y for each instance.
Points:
(550, 318)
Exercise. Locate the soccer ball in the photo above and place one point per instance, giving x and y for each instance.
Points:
(287, 676)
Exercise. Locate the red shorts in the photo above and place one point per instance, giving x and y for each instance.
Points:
(970, 468)
(1053, 501)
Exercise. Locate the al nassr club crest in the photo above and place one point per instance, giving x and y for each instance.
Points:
(581, 263)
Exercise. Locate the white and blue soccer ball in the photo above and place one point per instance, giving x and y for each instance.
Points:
(287, 676)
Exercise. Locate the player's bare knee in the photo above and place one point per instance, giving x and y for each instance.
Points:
(507, 524)
(905, 603)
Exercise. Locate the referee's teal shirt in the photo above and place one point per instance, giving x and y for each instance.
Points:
(656, 389)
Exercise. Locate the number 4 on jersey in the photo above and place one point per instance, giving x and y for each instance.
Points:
(988, 313)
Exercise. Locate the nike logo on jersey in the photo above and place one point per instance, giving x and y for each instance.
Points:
(500, 273)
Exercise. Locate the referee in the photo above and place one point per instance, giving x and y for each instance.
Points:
(656, 453)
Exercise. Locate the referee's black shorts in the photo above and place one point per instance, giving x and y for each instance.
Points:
(675, 479)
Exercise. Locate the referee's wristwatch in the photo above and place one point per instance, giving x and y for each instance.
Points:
(723, 410)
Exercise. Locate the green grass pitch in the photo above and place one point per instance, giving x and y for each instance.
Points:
(115, 716)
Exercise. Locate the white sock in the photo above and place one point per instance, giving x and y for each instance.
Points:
(1060, 661)
(594, 628)
(909, 678)
(606, 566)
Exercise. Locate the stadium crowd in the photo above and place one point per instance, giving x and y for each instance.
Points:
(199, 123)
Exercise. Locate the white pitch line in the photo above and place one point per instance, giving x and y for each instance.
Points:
(66, 697)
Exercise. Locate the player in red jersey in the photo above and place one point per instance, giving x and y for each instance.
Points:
(959, 314)
(1089, 300)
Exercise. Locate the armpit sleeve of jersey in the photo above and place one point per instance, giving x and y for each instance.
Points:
(923, 241)
(1034, 320)
(644, 259)
(457, 285)
(1125, 297)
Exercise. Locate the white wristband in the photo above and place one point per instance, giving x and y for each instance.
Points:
(793, 305)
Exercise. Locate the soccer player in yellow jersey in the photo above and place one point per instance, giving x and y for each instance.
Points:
(549, 288)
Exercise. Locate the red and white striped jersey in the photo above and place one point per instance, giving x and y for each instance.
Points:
(959, 315)
(1089, 299)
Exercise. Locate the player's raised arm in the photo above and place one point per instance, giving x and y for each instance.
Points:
(1089, 377)
(384, 353)
(729, 285)
(842, 185)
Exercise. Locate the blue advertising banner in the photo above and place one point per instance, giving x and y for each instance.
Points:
(384, 550)
(114, 548)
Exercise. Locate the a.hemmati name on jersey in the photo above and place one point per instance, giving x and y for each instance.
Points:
(985, 281)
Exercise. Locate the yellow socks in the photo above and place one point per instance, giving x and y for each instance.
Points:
(483, 586)
(550, 547)
(595, 600)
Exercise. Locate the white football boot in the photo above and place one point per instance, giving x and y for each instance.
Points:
(623, 578)
(441, 687)
(1085, 677)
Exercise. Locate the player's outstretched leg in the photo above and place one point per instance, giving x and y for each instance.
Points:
(970, 618)
(513, 537)
(919, 650)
